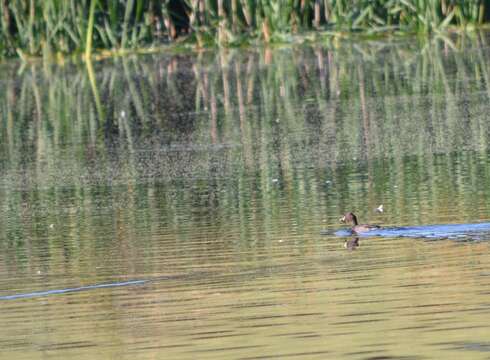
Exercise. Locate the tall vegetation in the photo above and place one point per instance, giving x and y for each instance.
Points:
(30, 27)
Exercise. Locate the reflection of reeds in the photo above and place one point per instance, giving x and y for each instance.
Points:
(95, 90)
(251, 126)
(281, 88)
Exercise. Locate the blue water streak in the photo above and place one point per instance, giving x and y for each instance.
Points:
(476, 231)
(69, 290)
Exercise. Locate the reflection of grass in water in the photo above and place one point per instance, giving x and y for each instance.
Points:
(292, 103)
(386, 129)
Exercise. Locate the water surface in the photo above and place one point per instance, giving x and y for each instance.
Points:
(172, 206)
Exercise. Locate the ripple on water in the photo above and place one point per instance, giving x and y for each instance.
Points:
(210, 192)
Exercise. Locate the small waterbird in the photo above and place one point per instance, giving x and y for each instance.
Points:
(357, 228)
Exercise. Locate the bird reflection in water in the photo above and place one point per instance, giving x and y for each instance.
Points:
(351, 244)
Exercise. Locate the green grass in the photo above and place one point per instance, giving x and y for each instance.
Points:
(33, 28)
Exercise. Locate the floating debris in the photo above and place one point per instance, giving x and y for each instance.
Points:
(379, 209)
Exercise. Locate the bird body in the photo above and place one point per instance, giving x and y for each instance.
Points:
(357, 228)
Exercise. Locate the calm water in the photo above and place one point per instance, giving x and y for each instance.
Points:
(172, 206)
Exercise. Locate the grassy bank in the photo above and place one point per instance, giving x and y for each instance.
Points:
(47, 27)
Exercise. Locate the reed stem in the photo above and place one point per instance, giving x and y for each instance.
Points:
(29, 26)
(90, 30)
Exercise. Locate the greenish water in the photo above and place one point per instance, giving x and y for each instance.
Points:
(205, 183)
